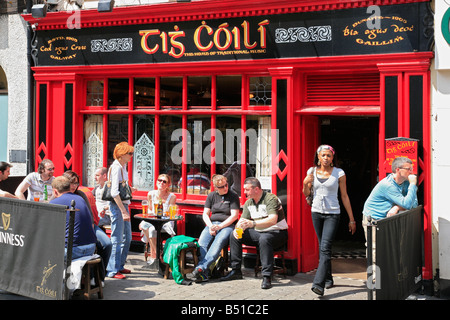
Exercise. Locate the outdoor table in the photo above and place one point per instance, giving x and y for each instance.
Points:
(157, 222)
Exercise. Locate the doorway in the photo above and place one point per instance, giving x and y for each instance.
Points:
(355, 140)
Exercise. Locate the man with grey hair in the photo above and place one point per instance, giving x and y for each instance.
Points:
(396, 192)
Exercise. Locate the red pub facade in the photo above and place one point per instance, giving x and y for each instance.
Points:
(199, 87)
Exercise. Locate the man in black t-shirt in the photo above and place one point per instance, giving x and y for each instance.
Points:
(223, 205)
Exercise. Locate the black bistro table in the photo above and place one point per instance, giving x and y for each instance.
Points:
(158, 223)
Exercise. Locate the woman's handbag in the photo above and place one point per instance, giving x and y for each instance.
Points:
(309, 199)
(124, 189)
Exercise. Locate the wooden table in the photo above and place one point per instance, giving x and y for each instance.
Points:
(157, 223)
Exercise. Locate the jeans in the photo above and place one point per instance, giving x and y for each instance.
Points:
(265, 241)
(326, 226)
(104, 247)
(120, 239)
(82, 251)
(210, 246)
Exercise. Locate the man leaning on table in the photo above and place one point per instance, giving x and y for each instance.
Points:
(264, 225)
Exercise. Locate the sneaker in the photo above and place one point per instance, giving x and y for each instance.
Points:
(317, 290)
(199, 276)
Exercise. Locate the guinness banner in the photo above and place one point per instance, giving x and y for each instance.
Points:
(399, 255)
(388, 29)
(32, 238)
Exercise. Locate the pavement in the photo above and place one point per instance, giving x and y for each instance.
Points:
(146, 285)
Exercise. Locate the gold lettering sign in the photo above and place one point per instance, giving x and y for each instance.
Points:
(62, 48)
(394, 30)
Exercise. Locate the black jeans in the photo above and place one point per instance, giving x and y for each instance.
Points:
(326, 226)
(265, 241)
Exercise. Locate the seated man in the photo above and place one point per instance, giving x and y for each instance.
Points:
(264, 225)
(223, 206)
(37, 182)
(84, 239)
(4, 174)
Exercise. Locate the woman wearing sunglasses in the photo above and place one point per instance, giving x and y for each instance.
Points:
(148, 231)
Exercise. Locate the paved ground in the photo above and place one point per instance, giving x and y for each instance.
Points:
(143, 284)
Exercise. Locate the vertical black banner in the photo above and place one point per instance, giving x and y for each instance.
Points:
(399, 255)
(32, 248)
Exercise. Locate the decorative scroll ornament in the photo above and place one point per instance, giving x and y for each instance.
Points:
(302, 34)
(93, 154)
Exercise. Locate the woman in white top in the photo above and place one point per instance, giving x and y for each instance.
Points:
(148, 230)
(326, 180)
(120, 214)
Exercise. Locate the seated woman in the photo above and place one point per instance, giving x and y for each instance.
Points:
(223, 204)
(148, 231)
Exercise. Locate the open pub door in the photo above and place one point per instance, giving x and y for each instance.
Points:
(309, 143)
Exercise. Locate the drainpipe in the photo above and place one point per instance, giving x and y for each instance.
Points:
(30, 118)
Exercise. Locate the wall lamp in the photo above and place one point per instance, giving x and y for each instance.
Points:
(105, 5)
(39, 10)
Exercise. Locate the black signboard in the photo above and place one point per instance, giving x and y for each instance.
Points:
(32, 248)
(399, 253)
(391, 29)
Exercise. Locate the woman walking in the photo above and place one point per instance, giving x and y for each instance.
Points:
(324, 180)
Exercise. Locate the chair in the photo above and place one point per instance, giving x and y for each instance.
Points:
(185, 267)
(276, 270)
(87, 290)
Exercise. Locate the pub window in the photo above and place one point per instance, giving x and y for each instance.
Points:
(229, 90)
(118, 91)
(198, 160)
(260, 91)
(171, 92)
(117, 132)
(170, 148)
(144, 152)
(144, 92)
(94, 94)
(92, 148)
(199, 92)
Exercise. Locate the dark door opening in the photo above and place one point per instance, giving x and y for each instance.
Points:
(355, 140)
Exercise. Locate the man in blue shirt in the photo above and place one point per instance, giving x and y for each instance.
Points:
(396, 192)
(83, 234)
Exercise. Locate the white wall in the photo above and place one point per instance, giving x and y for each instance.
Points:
(13, 59)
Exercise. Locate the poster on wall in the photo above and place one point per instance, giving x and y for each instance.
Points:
(355, 31)
(401, 147)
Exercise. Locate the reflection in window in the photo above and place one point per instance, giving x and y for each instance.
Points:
(229, 91)
(170, 149)
(228, 150)
(260, 91)
(92, 148)
(261, 157)
(144, 152)
(171, 93)
(144, 92)
(94, 94)
(199, 91)
(117, 132)
(198, 154)
(118, 90)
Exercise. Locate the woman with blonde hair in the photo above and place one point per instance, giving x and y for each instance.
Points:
(120, 214)
(162, 193)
